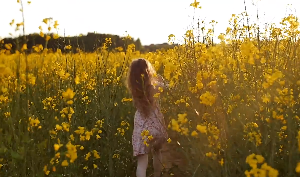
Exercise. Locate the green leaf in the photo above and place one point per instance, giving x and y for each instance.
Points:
(3, 149)
(16, 155)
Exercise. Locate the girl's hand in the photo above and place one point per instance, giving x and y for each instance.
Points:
(162, 82)
(160, 78)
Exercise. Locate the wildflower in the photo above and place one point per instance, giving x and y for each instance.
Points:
(58, 127)
(71, 152)
(55, 36)
(145, 133)
(72, 137)
(195, 4)
(45, 20)
(298, 167)
(207, 98)
(8, 46)
(55, 24)
(68, 94)
(65, 163)
(12, 22)
(24, 47)
(221, 162)
(68, 47)
(175, 125)
(182, 118)
(116, 156)
(96, 155)
(46, 171)
(48, 38)
(87, 156)
(201, 129)
(57, 146)
(194, 133)
(77, 80)
(7, 114)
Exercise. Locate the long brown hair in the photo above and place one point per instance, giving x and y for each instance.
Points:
(139, 82)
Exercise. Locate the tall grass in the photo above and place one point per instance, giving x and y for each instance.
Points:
(232, 108)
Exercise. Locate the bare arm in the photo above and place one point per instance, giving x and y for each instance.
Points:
(161, 82)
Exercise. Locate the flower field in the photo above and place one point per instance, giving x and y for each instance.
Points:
(232, 108)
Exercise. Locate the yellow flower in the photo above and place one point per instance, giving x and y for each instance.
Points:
(55, 24)
(182, 118)
(194, 133)
(150, 137)
(145, 133)
(96, 155)
(41, 34)
(169, 140)
(95, 166)
(266, 98)
(221, 162)
(72, 152)
(65, 163)
(87, 156)
(201, 129)
(8, 46)
(46, 171)
(88, 135)
(68, 47)
(45, 20)
(58, 127)
(195, 4)
(72, 137)
(48, 38)
(77, 80)
(175, 125)
(98, 137)
(156, 95)
(207, 98)
(55, 36)
(24, 47)
(12, 22)
(260, 159)
(57, 146)
(68, 94)
(298, 167)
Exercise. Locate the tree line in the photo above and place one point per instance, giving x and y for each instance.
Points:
(86, 43)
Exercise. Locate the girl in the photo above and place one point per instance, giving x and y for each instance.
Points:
(143, 85)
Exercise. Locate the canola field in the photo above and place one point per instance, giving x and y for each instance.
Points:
(232, 108)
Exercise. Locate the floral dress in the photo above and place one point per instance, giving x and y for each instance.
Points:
(154, 124)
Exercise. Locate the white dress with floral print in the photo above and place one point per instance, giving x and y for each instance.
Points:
(154, 124)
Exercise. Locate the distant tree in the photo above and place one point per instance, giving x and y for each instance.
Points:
(138, 44)
(86, 43)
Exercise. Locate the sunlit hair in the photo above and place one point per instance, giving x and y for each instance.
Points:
(140, 84)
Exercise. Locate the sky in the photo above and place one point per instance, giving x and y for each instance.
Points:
(150, 20)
